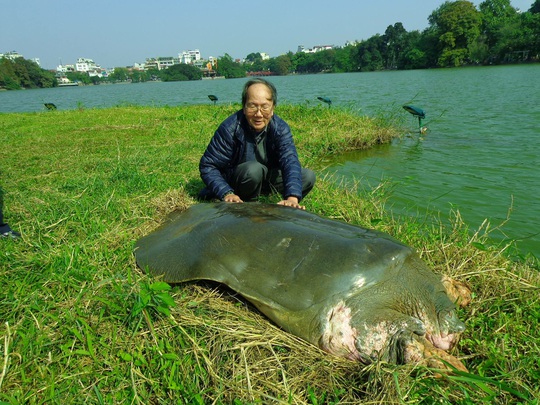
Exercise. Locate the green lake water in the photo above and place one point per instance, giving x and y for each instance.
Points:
(481, 154)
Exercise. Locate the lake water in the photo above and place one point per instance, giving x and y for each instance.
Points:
(481, 154)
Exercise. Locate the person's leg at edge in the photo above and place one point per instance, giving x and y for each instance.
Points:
(5, 229)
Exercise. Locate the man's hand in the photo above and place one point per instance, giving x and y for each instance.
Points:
(292, 202)
(232, 198)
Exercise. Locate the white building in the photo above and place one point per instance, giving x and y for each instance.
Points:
(15, 55)
(65, 68)
(316, 48)
(189, 57)
(11, 55)
(86, 65)
(162, 62)
(64, 80)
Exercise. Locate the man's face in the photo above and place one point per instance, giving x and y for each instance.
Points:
(259, 107)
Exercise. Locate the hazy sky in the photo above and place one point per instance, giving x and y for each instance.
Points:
(118, 33)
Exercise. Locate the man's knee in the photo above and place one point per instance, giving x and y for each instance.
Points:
(251, 171)
(308, 180)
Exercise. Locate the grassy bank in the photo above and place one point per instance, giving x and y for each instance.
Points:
(81, 324)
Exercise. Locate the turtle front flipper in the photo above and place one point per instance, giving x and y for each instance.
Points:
(407, 347)
(458, 292)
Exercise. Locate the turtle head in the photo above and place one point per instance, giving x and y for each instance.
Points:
(426, 297)
(445, 331)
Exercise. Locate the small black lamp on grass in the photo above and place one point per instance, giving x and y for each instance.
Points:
(417, 112)
(325, 100)
(213, 98)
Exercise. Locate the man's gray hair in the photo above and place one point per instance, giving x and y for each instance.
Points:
(258, 80)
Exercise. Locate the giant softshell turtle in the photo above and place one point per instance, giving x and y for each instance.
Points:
(354, 292)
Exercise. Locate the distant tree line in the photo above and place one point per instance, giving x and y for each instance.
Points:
(22, 73)
(175, 73)
(458, 34)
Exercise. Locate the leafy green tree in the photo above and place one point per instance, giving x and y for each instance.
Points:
(38, 77)
(529, 40)
(255, 63)
(413, 59)
(429, 44)
(254, 57)
(80, 77)
(457, 25)
(323, 61)
(369, 54)
(511, 36)
(479, 52)
(24, 73)
(535, 7)
(8, 77)
(48, 79)
(97, 79)
(281, 65)
(229, 68)
(343, 59)
(499, 23)
(393, 44)
(119, 74)
(172, 75)
(181, 72)
(139, 76)
(299, 62)
(414, 54)
(153, 74)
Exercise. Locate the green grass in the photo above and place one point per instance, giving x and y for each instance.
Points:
(80, 323)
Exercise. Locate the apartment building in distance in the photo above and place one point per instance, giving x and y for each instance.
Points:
(192, 57)
(86, 65)
(13, 55)
(316, 48)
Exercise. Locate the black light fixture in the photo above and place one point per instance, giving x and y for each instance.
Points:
(213, 98)
(325, 100)
(417, 112)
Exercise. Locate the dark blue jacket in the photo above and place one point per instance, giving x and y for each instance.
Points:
(227, 147)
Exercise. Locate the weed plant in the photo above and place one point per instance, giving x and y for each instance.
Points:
(80, 323)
